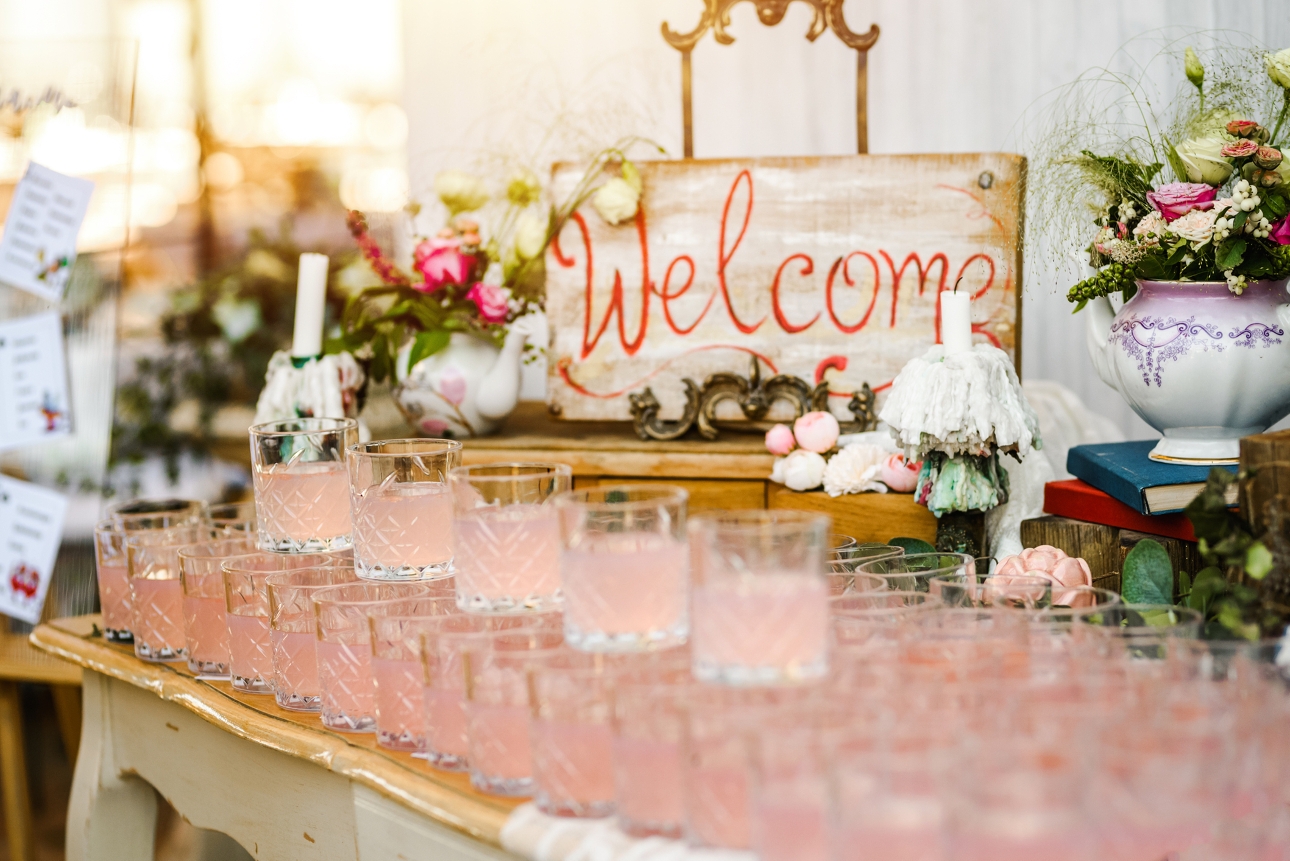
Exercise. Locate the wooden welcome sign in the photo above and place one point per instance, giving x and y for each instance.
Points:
(824, 268)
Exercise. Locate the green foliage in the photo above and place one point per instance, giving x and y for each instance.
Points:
(1118, 177)
(912, 545)
(1148, 575)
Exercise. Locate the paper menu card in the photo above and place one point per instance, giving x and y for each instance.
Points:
(31, 528)
(34, 400)
(39, 243)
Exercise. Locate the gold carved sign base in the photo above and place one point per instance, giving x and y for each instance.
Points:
(754, 398)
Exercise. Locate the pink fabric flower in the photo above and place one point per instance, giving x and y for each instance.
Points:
(899, 474)
(452, 386)
(1280, 232)
(817, 431)
(434, 427)
(440, 263)
(490, 300)
(1067, 573)
(1179, 198)
(779, 440)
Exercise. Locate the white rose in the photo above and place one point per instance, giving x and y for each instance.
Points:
(855, 469)
(1204, 161)
(530, 236)
(802, 470)
(460, 191)
(1196, 226)
(1279, 67)
(1152, 224)
(616, 200)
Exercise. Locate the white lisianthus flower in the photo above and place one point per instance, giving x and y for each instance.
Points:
(460, 191)
(1204, 161)
(530, 236)
(801, 470)
(616, 201)
(855, 469)
(1197, 226)
(1279, 67)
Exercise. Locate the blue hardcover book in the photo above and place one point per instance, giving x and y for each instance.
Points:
(1123, 470)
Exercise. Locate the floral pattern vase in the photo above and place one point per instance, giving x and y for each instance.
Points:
(1198, 363)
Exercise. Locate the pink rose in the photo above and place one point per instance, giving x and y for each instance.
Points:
(1244, 128)
(490, 300)
(452, 386)
(1240, 148)
(1179, 198)
(899, 474)
(817, 431)
(1280, 232)
(440, 263)
(434, 427)
(779, 440)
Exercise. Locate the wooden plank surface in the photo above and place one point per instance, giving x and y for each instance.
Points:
(705, 495)
(447, 798)
(21, 662)
(867, 517)
(814, 265)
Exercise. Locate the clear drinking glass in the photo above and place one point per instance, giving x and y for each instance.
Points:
(397, 673)
(913, 572)
(301, 484)
(843, 580)
(246, 603)
(293, 633)
(1021, 592)
(152, 560)
(788, 789)
(232, 517)
(497, 707)
(402, 507)
(859, 619)
(205, 619)
(507, 540)
(649, 718)
(889, 802)
(133, 514)
(571, 698)
(1135, 630)
(345, 649)
(760, 599)
(624, 567)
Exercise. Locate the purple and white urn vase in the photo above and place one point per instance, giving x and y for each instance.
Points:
(1198, 363)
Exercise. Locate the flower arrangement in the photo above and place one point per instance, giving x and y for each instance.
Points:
(468, 279)
(806, 456)
(1202, 195)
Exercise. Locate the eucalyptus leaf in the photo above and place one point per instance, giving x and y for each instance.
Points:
(1148, 575)
(912, 545)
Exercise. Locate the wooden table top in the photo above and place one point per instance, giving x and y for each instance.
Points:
(447, 798)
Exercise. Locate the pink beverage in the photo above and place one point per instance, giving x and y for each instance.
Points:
(447, 745)
(761, 628)
(114, 596)
(626, 590)
(797, 831)
(305, 503)
(295, 669)
(717, 807)
(573, 768)
(975, 846)
(345, 675)
(507, 557)
(250, 653)
(397, 696)
(648, 796)
(403, 531)
(501, 760)
(158, 619)
(889, 843)
(206, 632)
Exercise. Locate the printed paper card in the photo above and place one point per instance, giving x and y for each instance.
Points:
(34, 400)
(31, 527)
(39, 243)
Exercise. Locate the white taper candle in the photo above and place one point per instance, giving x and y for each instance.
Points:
(311, 303)
(956, 321)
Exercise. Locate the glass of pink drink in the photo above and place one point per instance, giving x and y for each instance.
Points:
(397, 674)
(624, 567)
(232, 518)
(301, 483)
(345, 649)
(497, 707)
(761, 598)
(152, 561)
(402, 508)
(648, 721)
(246, 605)
(293, 633)
(506, 539)
(205, 619)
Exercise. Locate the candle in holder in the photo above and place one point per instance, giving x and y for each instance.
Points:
(311, 304)
(956, 321)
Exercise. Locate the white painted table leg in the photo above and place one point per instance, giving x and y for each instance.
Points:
(111, 816)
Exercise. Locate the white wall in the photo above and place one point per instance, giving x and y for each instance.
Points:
(495, 77)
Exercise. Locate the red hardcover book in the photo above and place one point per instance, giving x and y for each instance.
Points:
(1080, 501)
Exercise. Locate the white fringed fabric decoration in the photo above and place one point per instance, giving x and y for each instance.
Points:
(963, 403)
(324, 387)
